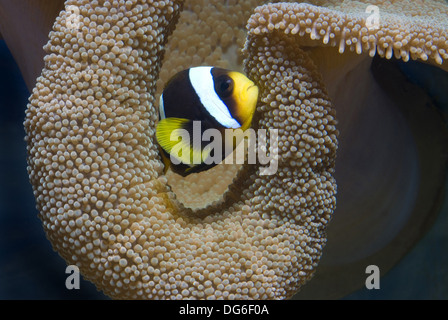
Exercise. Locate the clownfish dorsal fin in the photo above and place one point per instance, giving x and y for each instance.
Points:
(173, 136)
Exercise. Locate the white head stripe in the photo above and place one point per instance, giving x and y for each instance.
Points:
(161, 108)
(202, 81)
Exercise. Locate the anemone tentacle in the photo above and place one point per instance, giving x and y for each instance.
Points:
(96, 172)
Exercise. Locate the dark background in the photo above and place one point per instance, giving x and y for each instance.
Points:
(30, 269)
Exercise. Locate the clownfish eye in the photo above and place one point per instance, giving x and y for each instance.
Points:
(224, 86)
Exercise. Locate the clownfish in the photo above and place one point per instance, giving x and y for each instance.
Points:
(201, 98)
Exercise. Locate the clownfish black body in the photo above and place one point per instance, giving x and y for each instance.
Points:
(213, 97)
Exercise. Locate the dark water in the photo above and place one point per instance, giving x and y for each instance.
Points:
(30, 269)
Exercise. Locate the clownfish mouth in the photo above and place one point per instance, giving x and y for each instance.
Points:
(251, 86)
(248, 94)
(251, 92)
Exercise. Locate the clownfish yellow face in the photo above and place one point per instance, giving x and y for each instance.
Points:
(245, 95)
(213, 97)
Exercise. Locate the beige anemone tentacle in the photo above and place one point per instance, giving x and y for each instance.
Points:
(386, 28)
(407, 31)
(389, 177)
(96, 173)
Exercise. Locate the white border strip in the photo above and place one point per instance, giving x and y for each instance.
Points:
(161, 107)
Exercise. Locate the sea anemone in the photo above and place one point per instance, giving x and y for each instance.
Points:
(97, 177)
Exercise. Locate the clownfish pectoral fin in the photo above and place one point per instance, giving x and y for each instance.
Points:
(173, 136)
(168, 133)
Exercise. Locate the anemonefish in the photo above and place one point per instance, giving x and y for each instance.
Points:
(212, 97)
